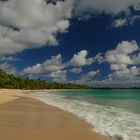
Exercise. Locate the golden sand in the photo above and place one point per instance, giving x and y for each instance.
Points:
(7, 95)
(29, 119)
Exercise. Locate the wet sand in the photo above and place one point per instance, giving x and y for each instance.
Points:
(24, 118)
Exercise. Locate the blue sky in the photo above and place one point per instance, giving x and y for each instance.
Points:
(82, 41)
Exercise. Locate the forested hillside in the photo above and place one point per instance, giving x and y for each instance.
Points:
(12, 82)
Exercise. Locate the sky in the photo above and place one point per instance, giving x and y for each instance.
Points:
(95, 43)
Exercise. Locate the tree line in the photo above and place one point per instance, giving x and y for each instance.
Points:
(12, 82)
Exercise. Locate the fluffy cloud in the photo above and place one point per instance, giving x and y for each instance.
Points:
(8, 68)
(136, 59)
(120, 55)
(99, 58)
(126, 74)
(106, 6)
(8, 58)
(129, 17)
(123, 62)
(90, 75)
(50, 65)
(87, 78)
(26, 24)
(137, 7)
(55, 63)
(127, 47)
(76, 70)
(59, 76)
(120, 22)
(80, 59)
(128, 20)
(37, 69)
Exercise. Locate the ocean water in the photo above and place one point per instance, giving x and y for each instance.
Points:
(114, 113)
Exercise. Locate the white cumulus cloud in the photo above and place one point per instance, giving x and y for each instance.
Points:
(107, 6)
(8, 68)
(55, 63)
(80, 59)
(76, 70)
(121, 55)
(123, 61)
(50, 65)
(26, 24)
(59, 76)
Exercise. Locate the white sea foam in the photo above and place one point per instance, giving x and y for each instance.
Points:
(111, 121)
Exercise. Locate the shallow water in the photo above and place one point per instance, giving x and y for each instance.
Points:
(114, 113)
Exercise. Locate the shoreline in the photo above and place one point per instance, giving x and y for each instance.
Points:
(71, 126)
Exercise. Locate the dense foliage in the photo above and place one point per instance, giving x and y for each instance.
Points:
(12, 82)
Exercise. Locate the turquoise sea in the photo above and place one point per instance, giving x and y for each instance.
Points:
(128, 99)
(114, 113)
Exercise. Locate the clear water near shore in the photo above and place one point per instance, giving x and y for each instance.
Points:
(114, 113)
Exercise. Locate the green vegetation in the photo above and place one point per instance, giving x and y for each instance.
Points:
(12, 82)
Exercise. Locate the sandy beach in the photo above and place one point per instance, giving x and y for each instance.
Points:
(23, 118)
